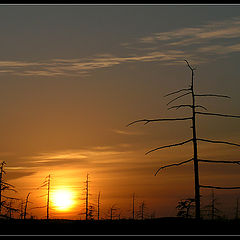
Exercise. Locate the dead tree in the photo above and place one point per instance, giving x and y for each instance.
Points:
(237, 210)
(10, 209)
(21, 210)
(112, 210)
(3, 187)
(142, 210)
(213, 206)
(25, 208)
(133, 206)
(98, 206)
(46, 183)
(194, 112)
(87, 195)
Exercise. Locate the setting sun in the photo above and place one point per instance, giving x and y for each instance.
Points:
(62, 199)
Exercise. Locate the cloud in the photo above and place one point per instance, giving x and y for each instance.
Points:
(76, 156)
(122, 132)
(170, 48)
(227, 29)
(74, 67)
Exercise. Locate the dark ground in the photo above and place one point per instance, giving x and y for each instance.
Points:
(161, 226)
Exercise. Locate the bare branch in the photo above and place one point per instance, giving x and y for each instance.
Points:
(38, 207)
(186, 105)
(171, 165)
(7, 184)
(192, 69)
(184, 89)
(158, 120)
(201, 107)
(219, 161)
(211, 95)
(172, 145)
(179, 106)
(204, 186)
(178, 97)
(218, 114)
(12, 198)
(214, 141)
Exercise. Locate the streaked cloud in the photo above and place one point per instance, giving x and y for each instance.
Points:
(169, 48)
(122, 132)
(227, 29)
(76, 155)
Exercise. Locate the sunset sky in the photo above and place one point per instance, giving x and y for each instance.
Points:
(73, 76)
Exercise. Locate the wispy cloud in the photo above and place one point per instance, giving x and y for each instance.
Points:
(170, 47)
(56, 67)
(78, 156)
(122, 132)
(227, 29)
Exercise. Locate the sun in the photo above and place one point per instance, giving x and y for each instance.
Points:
(62, 199)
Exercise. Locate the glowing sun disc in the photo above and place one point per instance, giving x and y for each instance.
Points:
(62, 200)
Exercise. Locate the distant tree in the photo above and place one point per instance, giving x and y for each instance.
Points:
(184, 206)
(237, 210)
(91, 211)
(194, 112)
(212, 211)
(10, 209)
(142, 211)
(113, 210)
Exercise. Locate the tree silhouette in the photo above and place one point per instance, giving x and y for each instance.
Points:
(193, 106)
(3, 187)
(184, 207)
(213, 211)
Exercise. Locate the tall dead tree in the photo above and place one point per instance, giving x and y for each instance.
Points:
(133, 207)
(213, 207)
(194, 112)
(3, 187)
(25, 208)
(87, 194)
(237, 210)
(112, 210)
(142, 210)
(98, 206)
(46, 183)
(48, 195)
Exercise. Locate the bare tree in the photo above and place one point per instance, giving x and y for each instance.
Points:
(133, 206)
(193, 106)
(98, 206)
(3, 187)
(213, 210)
(87, 195)
(46, 183)
(142, 210)
(236, 210)
(113, 209)
(25, 208)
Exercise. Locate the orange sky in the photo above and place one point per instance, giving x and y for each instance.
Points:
(77, 75)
